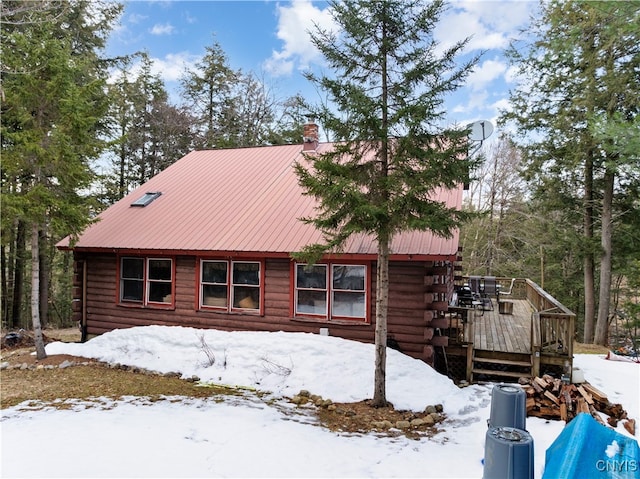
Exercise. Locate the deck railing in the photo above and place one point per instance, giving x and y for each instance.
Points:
(552, 328)
(552, 324)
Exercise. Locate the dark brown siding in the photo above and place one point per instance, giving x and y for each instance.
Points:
(417, 294)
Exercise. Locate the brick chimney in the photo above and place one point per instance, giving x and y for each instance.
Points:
(310, 135)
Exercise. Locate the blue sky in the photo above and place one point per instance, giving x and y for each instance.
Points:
(270, 38)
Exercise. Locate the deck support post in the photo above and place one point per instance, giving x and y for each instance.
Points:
(535, 363)
(470, 352)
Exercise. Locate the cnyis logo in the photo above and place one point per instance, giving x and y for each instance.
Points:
(611, 465)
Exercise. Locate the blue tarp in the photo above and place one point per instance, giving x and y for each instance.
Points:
(585, 449)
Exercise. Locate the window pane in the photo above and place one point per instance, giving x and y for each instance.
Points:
(348, 304)
(349, 277)
(160, 292)
(246, 273)
(214, 272)
(314, 278)
(132, 268)
(312, 302)
(131, 290)
(160, 269)
(214, 295)
(246, 297)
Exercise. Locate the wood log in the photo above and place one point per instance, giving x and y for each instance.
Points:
(630, 425)
(536, 386)
(549, 412)
(530, 403)
(551, 397)
(582, 406)
(587, 397)
(596, 393)
(614, 410)
(541, 382)
(563, 412)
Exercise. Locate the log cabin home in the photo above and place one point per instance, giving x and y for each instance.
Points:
(207, 243)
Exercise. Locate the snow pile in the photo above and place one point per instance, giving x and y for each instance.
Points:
(281, 363)
(249, 437)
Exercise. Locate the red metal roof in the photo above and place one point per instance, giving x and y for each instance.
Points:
(244, 200)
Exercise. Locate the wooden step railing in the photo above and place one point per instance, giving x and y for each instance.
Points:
(552, 329)
(552, 324)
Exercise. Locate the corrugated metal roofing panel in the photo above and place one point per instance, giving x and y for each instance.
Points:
(243, 200)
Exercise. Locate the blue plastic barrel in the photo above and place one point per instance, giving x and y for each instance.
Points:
(508, 407)
(508, 454)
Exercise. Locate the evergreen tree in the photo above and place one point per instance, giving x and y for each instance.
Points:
(147, 133)
(581, 72)
(52, 118)
(207, 91)
(232, 108)
(391, 153)
(288, 125)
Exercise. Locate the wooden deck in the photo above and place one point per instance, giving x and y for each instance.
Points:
(537, 337)
(504, 332)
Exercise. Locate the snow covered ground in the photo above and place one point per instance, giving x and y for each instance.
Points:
(251, 437)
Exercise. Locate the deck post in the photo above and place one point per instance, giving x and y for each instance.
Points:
(536, 345)
(470, 351)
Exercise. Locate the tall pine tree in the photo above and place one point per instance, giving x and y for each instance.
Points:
(580, 75)
(391, 150)
(52, 111)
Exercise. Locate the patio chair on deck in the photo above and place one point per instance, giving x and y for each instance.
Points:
(482, 290)
(506, 292)
(474, 285)
(490, 286)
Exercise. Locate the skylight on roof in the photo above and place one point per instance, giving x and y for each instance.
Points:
(147, 198)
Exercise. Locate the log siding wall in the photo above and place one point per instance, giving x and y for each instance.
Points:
(419, 292)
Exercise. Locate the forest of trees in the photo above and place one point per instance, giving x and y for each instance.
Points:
(557, 198)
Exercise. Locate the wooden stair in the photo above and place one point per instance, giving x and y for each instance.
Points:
(494, 365)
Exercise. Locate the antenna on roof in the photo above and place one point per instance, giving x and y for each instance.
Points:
(479, 131)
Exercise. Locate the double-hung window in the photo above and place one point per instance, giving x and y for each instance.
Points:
(331, 291)
(146, 281)
(230, 285)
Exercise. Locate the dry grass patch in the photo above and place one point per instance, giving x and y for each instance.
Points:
(582, 348)
(93, 380)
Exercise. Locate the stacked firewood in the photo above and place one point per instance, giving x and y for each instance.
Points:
(551, 398)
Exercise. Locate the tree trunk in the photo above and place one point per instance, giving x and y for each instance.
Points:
(5, 285)
(44, 278)
(382, 305)
(602, 325)
(19, 252)
(589, 267)
(35, 296)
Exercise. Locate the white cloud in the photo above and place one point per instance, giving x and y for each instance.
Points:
(485, 73)
(166, 29)
(294, 23)
(490, 24)
(136, 18)
(170, 68)
(173, 65)
(502, 105)
(474, 102)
